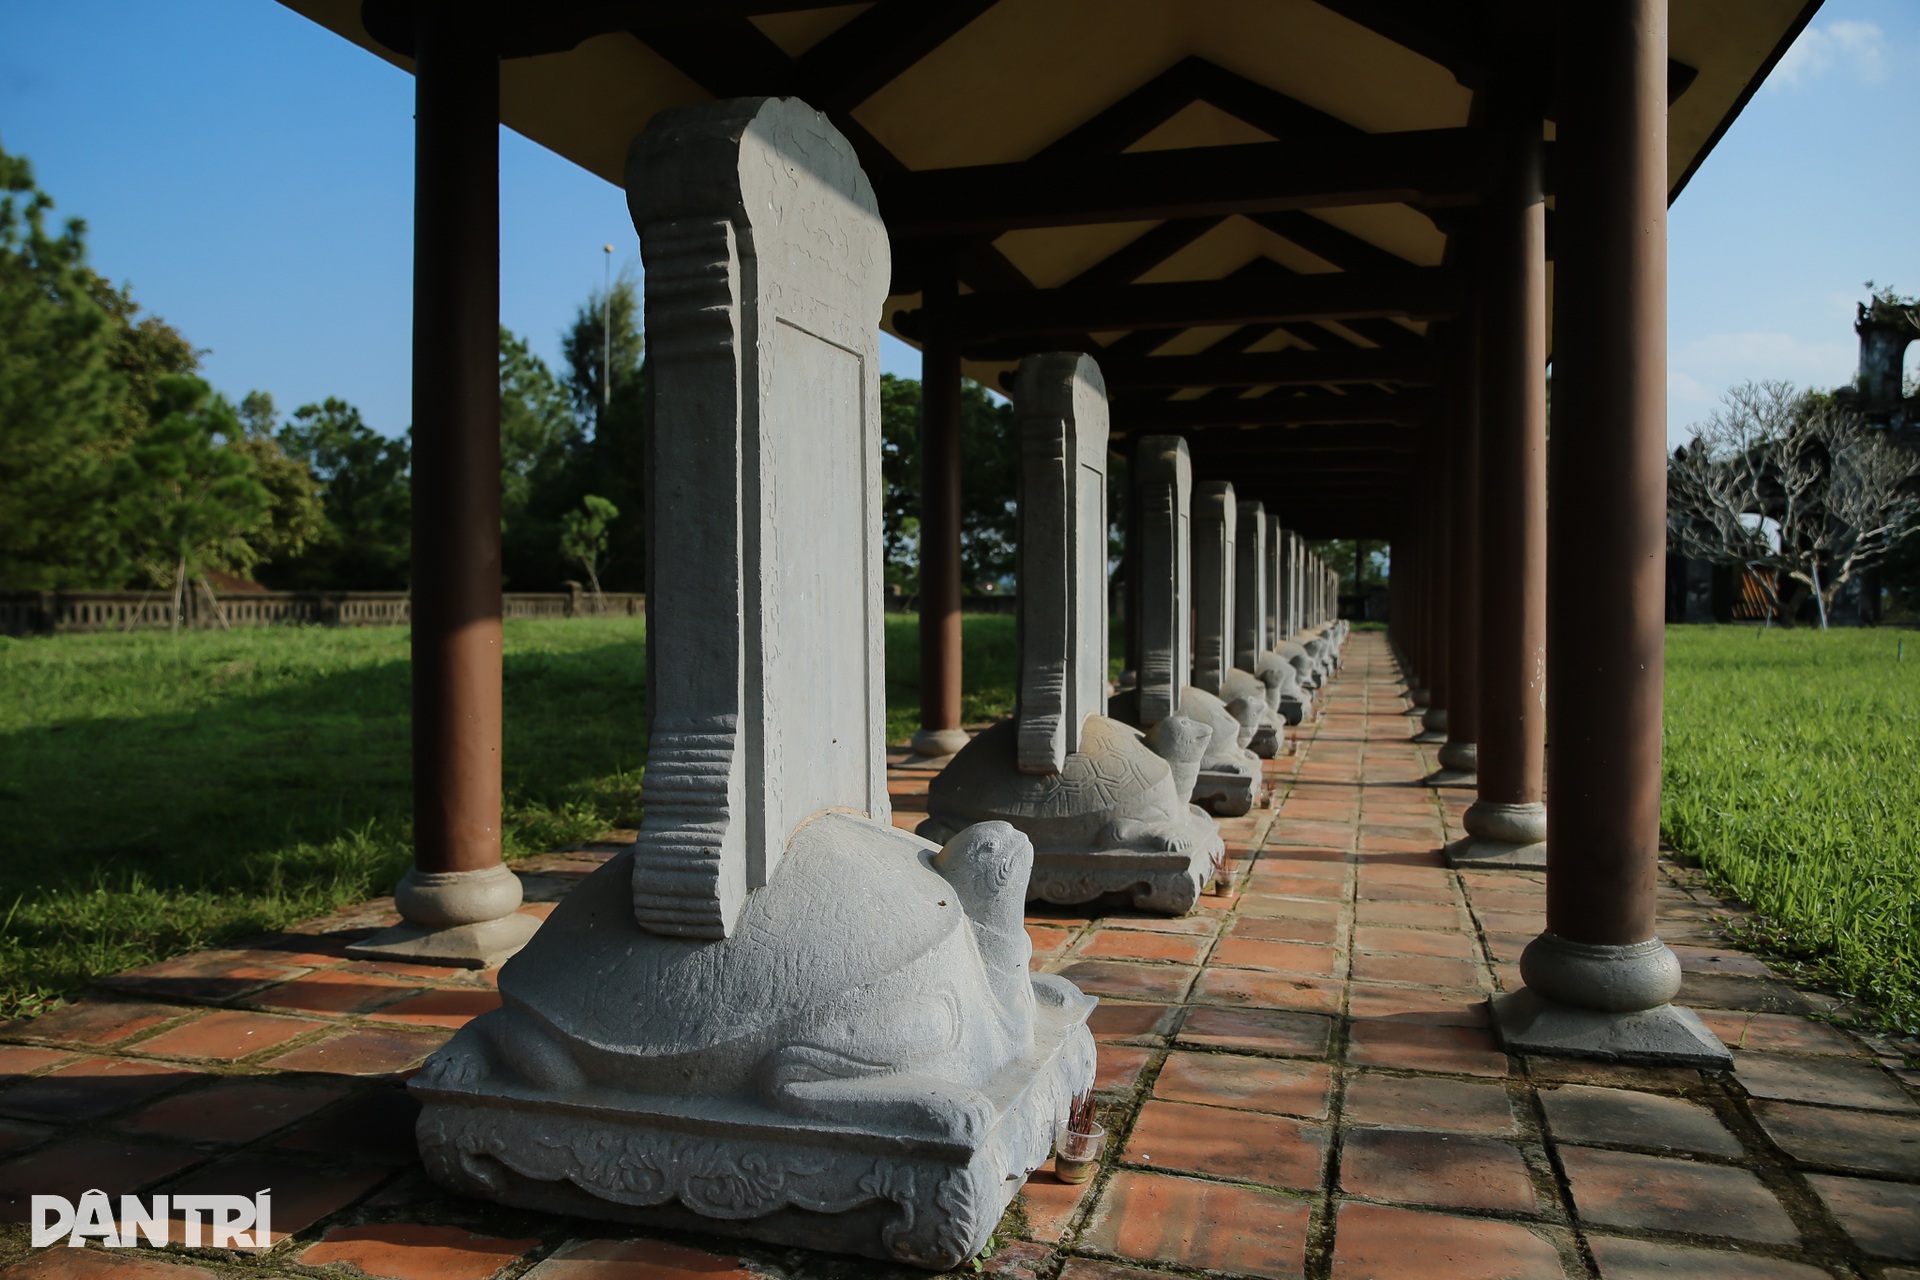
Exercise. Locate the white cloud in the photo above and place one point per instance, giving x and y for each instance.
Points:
(1700, 370)
(1856, 48)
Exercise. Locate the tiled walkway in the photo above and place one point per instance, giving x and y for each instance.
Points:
(1299, 1080)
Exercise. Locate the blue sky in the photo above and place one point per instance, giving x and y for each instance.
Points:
(251, 174)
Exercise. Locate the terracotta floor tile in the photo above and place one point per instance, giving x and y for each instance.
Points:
(1198, 924)
(1417, 915)
(1444, 1170)
(1118, 1067)
(1051, 1204)
(16, 1135)
(98, 1264)
(1864, 1141)
(1047, 939)
(1412, 1046)
(1113, 1020)
(1120, 978)
(1299, 887)
(451, 1009)
(1261, 904)
(97, 1022)
(1257, 1031)
(1131, 944)
(231, 1110)
(1327, 864)
(414, 1251)
(1433, 971)
(1283, 957)
(1250, 1084)
(1284, 929)
(90, 1087)
(1782, 1033)
(1258, 989)
(1625, 1259)
(1883, 1218)
(205, 975)
(18, 1061)
(1581, 1113)
(625, 1260)
(226, 1035)
(1429, 1102)
(1245, 1146)
(1621, 1189)
(302, 1193)
(1206, 1225)
(1826, 1081)
(1413, 942)
(366, 1051)
(335, 991)
(1378, 1242)
(1434, 1006)
(74, 1165)
(376, 1127)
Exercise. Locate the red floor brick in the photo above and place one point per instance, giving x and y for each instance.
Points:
(1281, 957)
(1432, 971)
(1259, 989)
(634, 1259)
(1284, 929)
(1413, 915)
(97, 1264)
(1251, 1084)
(233, 1110)
(1118, 1067)
(1621, 1189)
(226, 1035)
(302, 1193)
(1623, 1259)
(1623, 1117)
(207, 975)
(1429, 1102)
(449, 1008)
(1051, 1204)
(16, 1135)
(1131, 944)
(1257, 1031)
(1864, 1141)
(1377, 1242)
(1116, 1021)
(97, 1022)
(1122, 978)
(1047, 938)
(1206, 1225)
(1883, 1218)
(18, 1061)
(1298, 887)
(1413, 942)
(413, 1251)
(1827, 1081)
(376, 1127)
(76, 1165)
(335, 991)
(90, 1087)
(1445, 1170)
(367, 1051)
(1262, 905)
(1784, 1033)
(1242, 1145)
(1200, 924)
(1433, 1006)
(1412, 1046)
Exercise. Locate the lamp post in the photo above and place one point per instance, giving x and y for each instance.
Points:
(606, 333)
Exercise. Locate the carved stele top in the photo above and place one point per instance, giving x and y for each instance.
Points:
(1163, 472)
(1061, 417)
(1252, 634)
(1215, 516)
(766, 265)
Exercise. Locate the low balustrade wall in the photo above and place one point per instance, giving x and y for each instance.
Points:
(27, 613)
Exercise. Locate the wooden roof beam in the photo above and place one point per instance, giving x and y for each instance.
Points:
(1275, 409)
(1294, 367)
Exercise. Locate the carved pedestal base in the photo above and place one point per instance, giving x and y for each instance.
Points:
(1112, 821)
(1226, 793)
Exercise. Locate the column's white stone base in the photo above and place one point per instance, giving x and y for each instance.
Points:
(462, 919)
(1417, 696)
(863, 1064)
(1667, 1035)
(1112, 821)
(1445, 777)
(935, 748)
(1478, 851)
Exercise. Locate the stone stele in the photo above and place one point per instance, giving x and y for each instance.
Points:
(779, 1016)
(1216, 618)
(1227, 780)
(1293, 703)
(1103, 809)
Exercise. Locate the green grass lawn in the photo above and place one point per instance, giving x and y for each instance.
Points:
(162, 793)
(1792, 764)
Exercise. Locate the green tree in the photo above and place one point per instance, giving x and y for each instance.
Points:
(296, 516)
(583, 535)
(586, 349)
(363, 476)
(191, 502)
(540, 441)
(610, 460)
(990, 463)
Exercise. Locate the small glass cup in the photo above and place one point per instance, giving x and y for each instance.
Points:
(1076, 1155)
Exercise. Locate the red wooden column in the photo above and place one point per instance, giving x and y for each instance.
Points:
(459, 900)
(1458, 754)
(1438, 671)
(1507, 823)
(1599, 983)
(940, 734)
